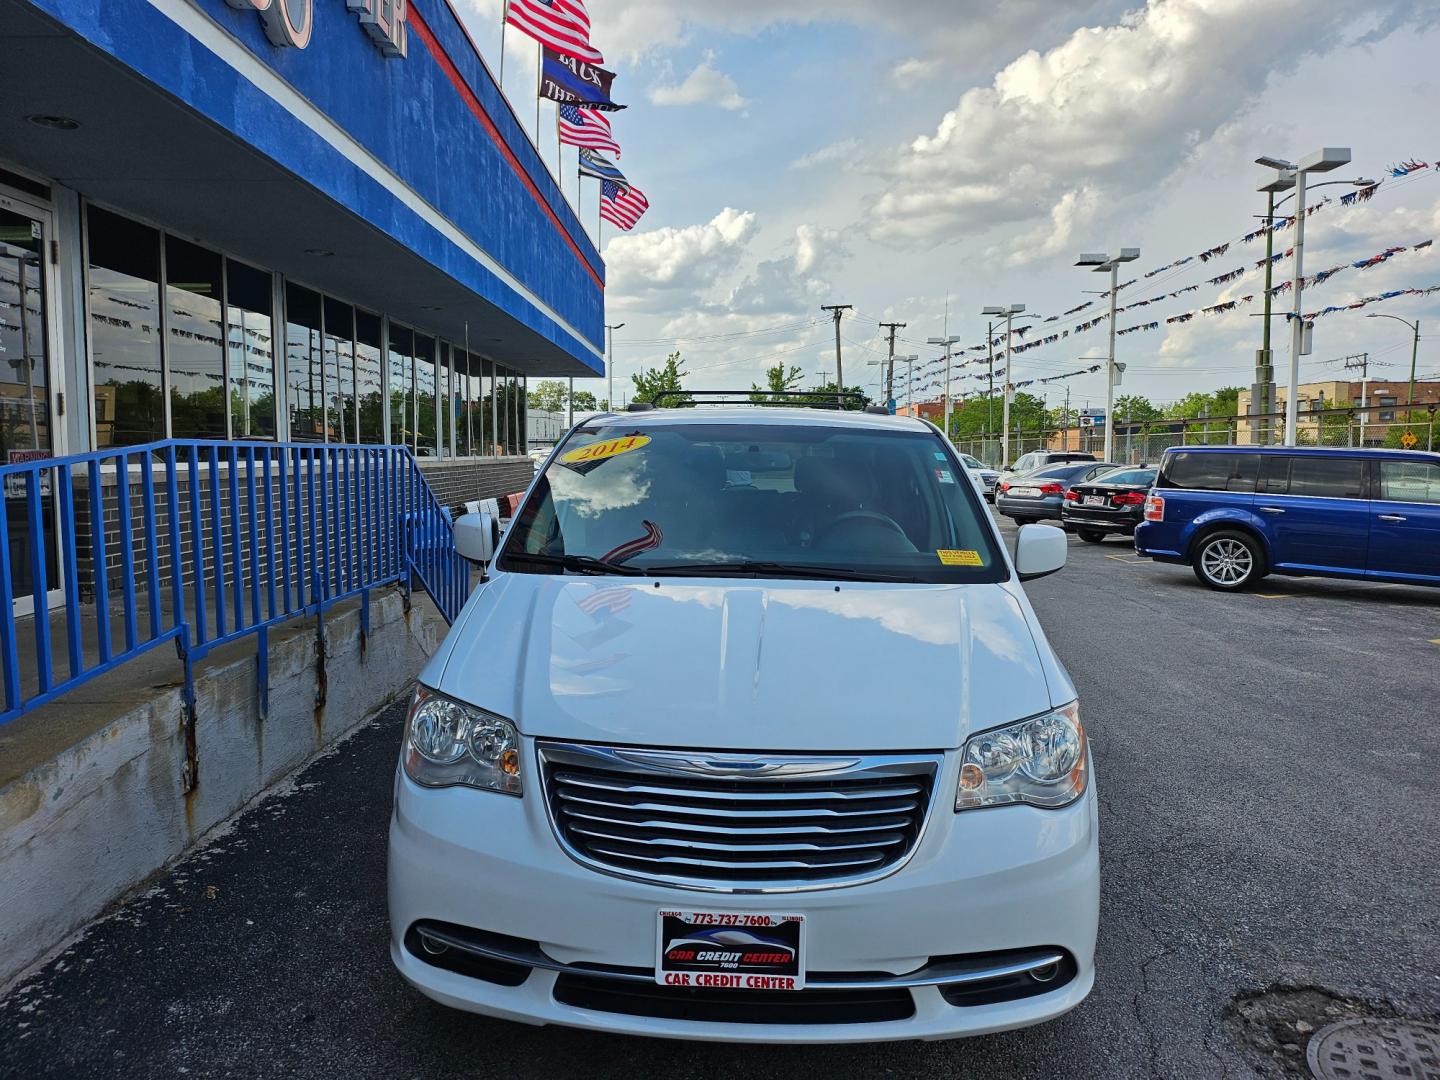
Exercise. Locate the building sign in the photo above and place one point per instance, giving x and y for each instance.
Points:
(289, 23)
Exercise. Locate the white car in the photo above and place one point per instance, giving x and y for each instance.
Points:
(985, 477)
(814, 711)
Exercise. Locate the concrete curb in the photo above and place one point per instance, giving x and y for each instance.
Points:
(103, 815)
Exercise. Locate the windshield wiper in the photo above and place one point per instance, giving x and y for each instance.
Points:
(580, 564)
(760, 568)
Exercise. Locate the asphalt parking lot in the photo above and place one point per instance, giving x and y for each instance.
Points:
(1271, 861)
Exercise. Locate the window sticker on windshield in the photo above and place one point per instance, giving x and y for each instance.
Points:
(599, 451)
(943, 475)
(939, 455)
(952, 557)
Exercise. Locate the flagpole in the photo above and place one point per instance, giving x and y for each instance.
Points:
(504, 22)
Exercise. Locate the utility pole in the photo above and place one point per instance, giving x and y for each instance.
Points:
(837, 310)
(890, 365)
(1361, 361)
(610, 364)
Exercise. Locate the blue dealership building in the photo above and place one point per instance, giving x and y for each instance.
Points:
(290, 220)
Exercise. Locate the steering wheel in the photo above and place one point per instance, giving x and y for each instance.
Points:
(853, 516)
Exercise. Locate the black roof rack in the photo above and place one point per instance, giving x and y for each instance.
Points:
(812, 399)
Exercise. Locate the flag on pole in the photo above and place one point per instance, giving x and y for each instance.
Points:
(622, 206)
(562, 25)
(600, 167)
(586, 128)
(574, 82)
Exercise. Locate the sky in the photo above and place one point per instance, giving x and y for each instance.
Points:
(921, 160)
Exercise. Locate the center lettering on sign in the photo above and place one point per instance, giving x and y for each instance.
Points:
(289, 24)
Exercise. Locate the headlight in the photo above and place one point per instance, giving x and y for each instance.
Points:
(1041, 761)
(448, 743)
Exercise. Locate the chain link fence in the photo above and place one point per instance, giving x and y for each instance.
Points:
(1141, 443)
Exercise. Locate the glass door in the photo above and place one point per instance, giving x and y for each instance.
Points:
(27, 333)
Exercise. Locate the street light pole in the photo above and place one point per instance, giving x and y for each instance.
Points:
(1323, 160)
(947, 343)
(610, 364)
(1414, 350)
(1009, 311)
(1101, 263)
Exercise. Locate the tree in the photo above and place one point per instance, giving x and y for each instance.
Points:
(824, 394)
(548, 395)
(777, 380)
(1133, 407)
(650, 383)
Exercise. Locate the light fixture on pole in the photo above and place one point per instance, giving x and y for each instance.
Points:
(1100, 264)
(1324, 160)
(1009, 312)
(610, 364)
(948, 344)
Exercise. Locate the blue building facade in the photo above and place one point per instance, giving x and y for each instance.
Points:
(299, 220)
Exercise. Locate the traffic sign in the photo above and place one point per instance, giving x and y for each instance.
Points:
(1408, 440)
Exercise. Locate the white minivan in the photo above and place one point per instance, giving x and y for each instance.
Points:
(749, 733)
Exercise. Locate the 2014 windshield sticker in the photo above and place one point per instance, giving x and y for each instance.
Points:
(954, 557)
(601, 451)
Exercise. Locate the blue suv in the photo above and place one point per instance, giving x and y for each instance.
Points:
(1236, 514)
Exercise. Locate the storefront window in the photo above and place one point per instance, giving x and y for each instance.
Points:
(339, 371)
(196, 358)
(124, 284)
(425, 395)
(24, 366)
(402, 393)
(445, 428)
(485, 412)
(304, 373)
(462, 403)
(369, 377)
(251, 351)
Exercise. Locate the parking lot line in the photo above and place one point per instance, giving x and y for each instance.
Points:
(1435, 641)
(1129, 559)
(1282, 596)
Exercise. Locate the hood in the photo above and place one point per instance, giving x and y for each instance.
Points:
(742, 664)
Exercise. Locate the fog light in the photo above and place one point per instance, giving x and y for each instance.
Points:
(1045, 974)
(434, 948)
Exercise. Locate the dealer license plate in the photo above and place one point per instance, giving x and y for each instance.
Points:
(1025, 493)
(720, 950)
(1095, 500)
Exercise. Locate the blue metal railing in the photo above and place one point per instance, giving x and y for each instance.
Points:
(202, 543)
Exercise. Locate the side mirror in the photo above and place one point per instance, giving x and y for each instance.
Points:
(1039, 550)
(477, 535)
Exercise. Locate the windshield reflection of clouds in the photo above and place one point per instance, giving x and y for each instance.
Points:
(613, 484)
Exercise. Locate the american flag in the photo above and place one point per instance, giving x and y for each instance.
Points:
(564, 25)
(586, 127)
(620, 206)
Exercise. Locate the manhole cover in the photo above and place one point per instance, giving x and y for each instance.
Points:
(1371, 1049)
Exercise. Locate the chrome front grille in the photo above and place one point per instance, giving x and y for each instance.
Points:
(736, 821)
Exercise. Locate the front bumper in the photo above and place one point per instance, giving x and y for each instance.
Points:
(982, 888)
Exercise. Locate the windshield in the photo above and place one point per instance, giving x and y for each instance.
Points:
(758, 500)
(970, 462)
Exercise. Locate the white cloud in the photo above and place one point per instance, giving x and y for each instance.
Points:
(660, 267)
(835, 153)
(1105, 115)
(706, 85)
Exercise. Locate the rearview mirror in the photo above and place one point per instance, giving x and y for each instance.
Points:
(477, 536)
(1039, 550)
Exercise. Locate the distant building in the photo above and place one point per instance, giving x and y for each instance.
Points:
(1385, 401)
